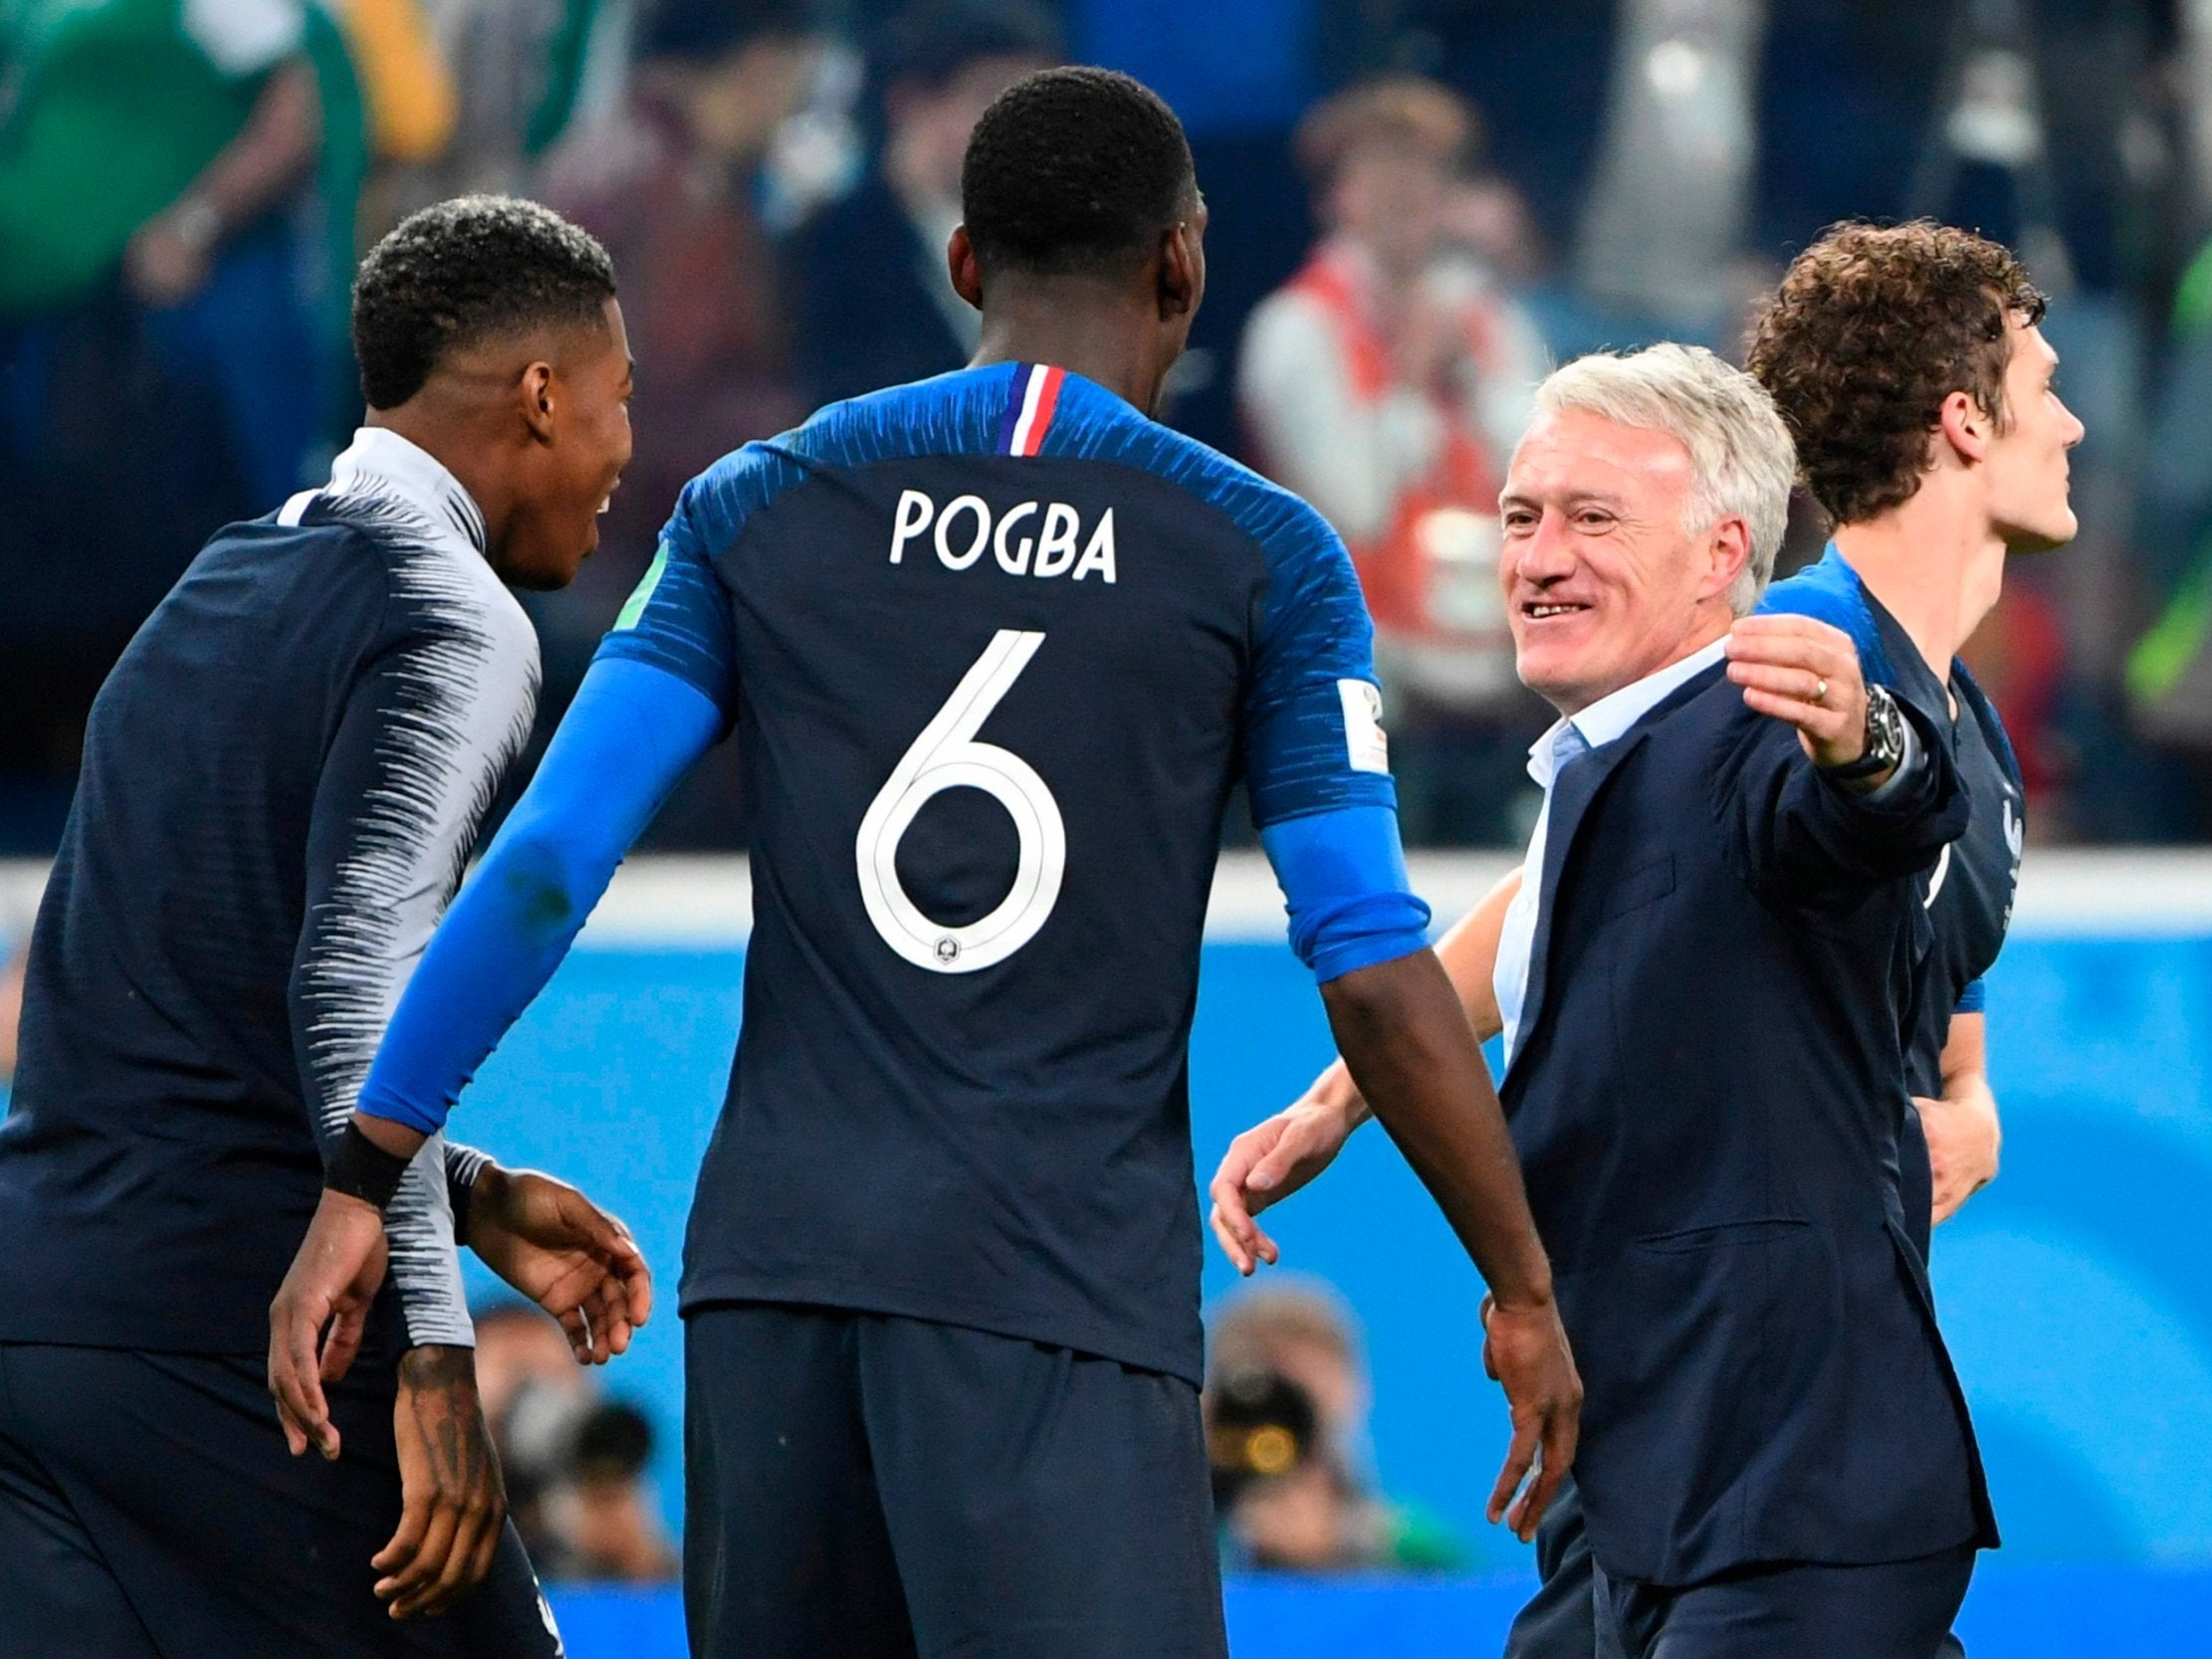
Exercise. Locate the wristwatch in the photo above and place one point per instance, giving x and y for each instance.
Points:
(1884, 739)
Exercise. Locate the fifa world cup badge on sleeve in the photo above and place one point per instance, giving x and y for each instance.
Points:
(1366, 745)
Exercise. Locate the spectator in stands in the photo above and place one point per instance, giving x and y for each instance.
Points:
(529, 1386)
(669, 189)
(673, 185)
(160, 147)
(508, 72)
(606, 1525)
(1387, 382)
(1287, 1399)
(167, 357)
(870, 299)
(519, 1348)
(573, 1460)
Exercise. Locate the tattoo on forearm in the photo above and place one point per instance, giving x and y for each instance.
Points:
(440, 1387)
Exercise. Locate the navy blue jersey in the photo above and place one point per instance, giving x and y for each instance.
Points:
(1970, 891)
(281, 779)
(995, 648)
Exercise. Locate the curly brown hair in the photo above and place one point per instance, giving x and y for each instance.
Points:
(1873, 328)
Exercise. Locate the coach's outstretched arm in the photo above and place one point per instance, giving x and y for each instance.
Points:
(631, 734)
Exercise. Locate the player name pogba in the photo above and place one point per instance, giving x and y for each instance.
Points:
(1030, 538)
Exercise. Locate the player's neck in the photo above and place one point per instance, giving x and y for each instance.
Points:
(1080, 328)
(458, 445)
(1936, 565)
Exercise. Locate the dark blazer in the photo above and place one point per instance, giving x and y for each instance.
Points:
(1707, 1095)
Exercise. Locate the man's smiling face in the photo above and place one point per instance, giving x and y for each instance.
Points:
(1605, 582)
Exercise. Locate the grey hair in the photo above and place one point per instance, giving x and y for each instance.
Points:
(1739, 451)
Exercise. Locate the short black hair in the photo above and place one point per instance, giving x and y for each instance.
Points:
(465, 270)
(1073, 169)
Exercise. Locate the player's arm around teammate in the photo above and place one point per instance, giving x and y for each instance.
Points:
(542, 1236)
(628, 735)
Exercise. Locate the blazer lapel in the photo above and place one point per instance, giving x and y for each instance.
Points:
(1572, 797)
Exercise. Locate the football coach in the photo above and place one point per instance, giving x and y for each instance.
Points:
(1705, 985)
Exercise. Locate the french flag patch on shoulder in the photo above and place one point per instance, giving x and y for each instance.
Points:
(1029, 410)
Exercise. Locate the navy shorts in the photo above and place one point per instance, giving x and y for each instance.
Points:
(1893, 1610)
(149, 1510)
(1578, 1613)
(878, 1488)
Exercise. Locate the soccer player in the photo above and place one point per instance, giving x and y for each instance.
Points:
(1910, 368)
(994, 647)
(280, 779)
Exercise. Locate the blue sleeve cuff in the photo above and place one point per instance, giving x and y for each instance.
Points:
(1973, 999)
(379, 1100)
(1342, 874)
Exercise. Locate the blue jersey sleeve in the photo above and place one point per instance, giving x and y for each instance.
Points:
(1344, 876)
(1315, 760)
(1313, 736)
(634, 731)
(679, 619)
(1974, 999)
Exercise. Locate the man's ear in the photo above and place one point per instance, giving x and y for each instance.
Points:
(1963, 426)
(1731, 557)
(968, 273)
(535, 393)
(1179, 270)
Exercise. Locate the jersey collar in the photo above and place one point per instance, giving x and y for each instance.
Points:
(379, 462)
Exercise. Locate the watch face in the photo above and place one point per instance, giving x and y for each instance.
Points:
(1885, 726)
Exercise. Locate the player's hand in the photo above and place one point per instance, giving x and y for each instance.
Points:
(1805, 674)
(1963, 1143)
(317, 1321)
(1265, 1165)
(452, 1502)
(1524, 1347)
(566, 1254)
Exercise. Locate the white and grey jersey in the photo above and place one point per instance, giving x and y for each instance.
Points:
(435, 719)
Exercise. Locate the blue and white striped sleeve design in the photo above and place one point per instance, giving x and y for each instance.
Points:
(432, 723)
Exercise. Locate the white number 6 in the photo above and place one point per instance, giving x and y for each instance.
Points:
(947, 756)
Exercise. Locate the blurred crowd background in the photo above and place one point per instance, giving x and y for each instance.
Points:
(1418, 206)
